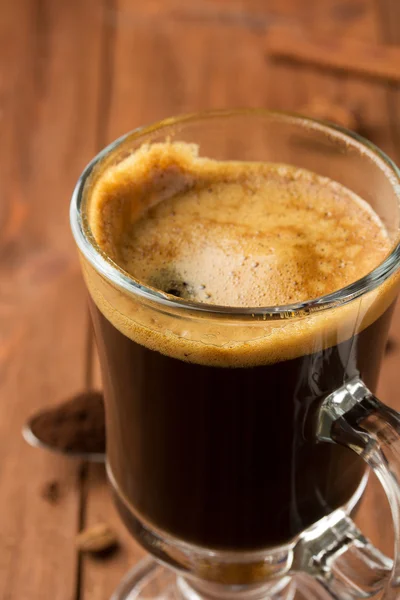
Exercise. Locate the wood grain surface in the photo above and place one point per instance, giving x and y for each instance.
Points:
(74, 75)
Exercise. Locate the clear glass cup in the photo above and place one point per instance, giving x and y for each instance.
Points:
(239, 472)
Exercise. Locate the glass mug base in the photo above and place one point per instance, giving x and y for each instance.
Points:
(150, 580)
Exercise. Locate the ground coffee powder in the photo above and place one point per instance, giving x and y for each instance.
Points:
(77, 425)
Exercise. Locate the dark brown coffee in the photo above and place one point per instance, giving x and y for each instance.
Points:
(219, 457)
(207, 418)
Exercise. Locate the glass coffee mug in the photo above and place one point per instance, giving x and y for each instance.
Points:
(237, 438)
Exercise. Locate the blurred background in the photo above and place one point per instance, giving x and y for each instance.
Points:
(75, 75)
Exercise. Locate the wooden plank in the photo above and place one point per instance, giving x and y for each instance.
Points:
(49, 57)
(163, 68)
(297, 87)
(192, 60)
(154, 76)
(388, 12)
(255, 14)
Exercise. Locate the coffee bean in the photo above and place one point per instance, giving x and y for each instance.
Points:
(391, 346)
(97, 539)
(51, 492)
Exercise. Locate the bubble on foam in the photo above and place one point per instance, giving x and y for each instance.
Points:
(170, 281)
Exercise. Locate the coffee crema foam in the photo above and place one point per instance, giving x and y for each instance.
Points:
(237, 234)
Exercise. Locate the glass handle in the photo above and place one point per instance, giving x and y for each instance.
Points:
(334, 551)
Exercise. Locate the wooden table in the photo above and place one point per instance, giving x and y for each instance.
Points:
(74, 75)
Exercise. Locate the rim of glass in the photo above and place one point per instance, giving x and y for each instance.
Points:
(111, 271)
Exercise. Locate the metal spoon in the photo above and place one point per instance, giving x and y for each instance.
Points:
(75, 428)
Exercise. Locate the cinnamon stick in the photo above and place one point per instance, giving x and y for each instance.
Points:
(327, 109)
(343, 54)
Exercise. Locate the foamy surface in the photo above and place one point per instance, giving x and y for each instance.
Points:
(231, 233)
(234, 234)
